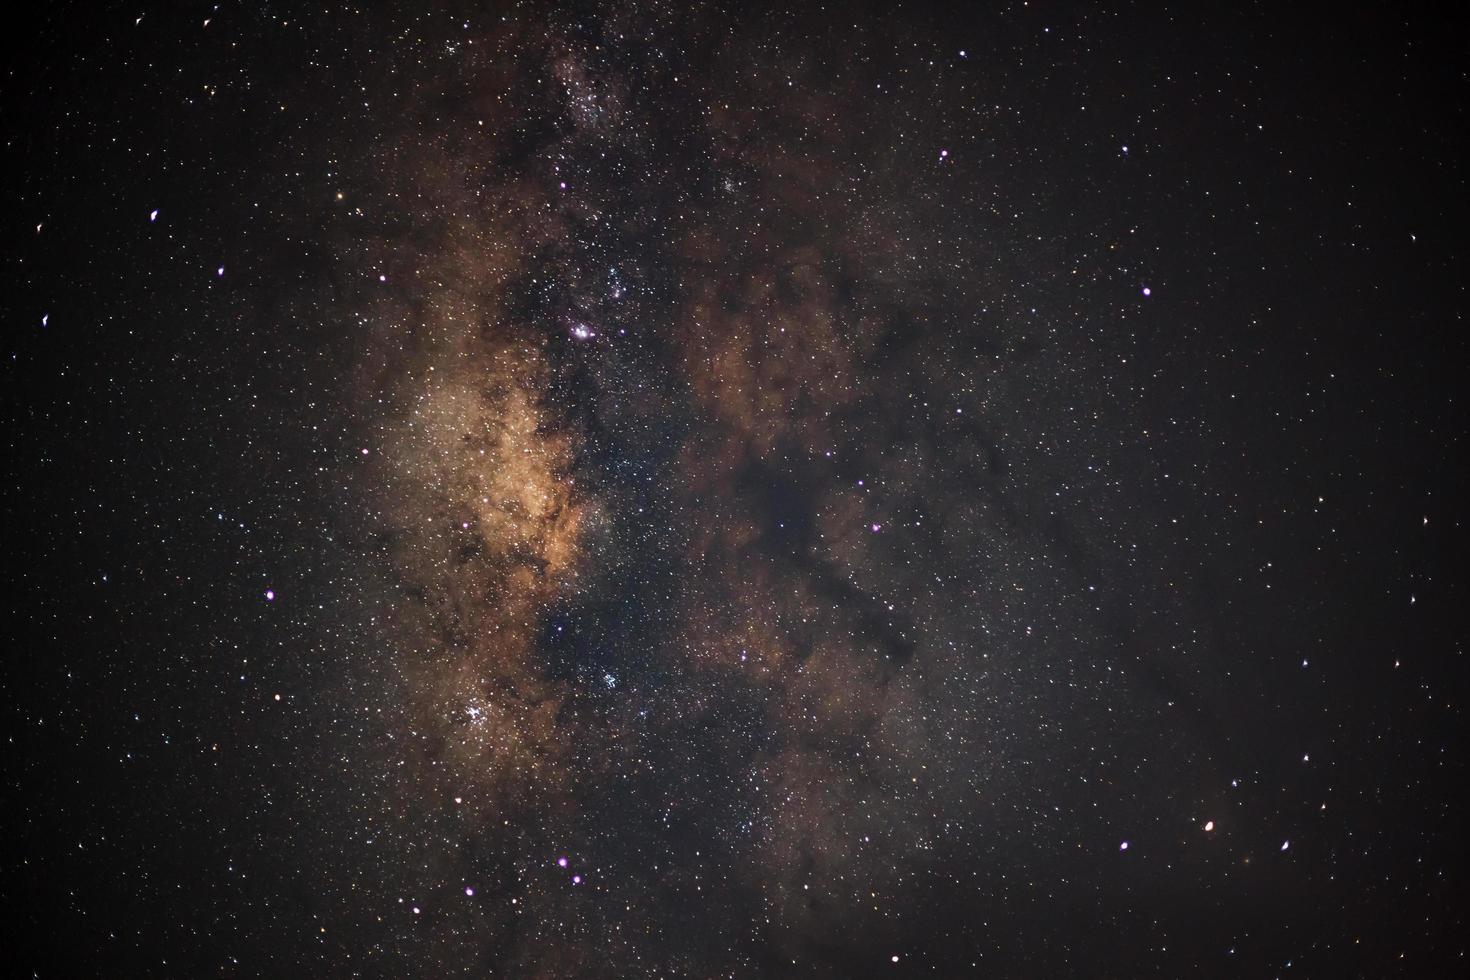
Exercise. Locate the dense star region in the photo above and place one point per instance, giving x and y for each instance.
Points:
(651, 489)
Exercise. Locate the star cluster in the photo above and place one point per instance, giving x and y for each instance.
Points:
(661, 489)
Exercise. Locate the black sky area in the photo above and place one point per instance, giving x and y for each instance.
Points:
(565, 490)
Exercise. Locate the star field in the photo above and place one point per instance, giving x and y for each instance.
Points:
(710, 490)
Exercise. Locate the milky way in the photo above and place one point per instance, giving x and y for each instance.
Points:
(678, 490)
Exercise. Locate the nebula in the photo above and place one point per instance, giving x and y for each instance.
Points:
(615, 489)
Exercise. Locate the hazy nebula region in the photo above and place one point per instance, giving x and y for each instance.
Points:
(689, 490)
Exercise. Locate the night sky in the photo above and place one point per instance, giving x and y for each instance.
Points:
(682, 489)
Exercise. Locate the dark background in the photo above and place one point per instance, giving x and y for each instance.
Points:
(1231, 510)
